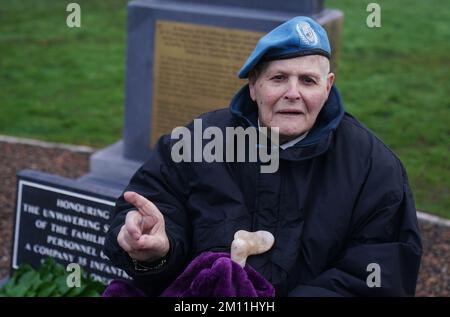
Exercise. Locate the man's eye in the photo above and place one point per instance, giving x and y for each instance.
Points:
(308, 80)
(278, 77)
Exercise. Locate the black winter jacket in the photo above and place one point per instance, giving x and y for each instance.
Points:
(339, 202)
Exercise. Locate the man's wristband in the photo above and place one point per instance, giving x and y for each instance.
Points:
(153, 266)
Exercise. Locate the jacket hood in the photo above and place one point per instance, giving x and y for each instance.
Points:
(317, 140)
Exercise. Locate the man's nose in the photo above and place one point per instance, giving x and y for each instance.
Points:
(293, 90)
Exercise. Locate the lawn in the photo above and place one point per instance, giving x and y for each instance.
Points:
(62, 84)
(67, 85)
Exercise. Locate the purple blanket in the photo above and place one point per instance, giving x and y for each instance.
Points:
(210, 274)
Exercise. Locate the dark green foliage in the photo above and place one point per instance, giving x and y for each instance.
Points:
(49, 280)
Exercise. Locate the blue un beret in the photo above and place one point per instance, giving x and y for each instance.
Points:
(299, 36)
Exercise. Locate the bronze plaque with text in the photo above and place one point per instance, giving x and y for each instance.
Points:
(195, 71)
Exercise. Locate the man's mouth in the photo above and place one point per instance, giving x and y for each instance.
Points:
(290, 112)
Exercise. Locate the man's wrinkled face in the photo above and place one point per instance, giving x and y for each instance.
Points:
(291, 92)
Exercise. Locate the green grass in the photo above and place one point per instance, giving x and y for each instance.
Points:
(58, 83)
(67, 85)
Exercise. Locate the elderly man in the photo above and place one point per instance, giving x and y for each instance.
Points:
(339, 204)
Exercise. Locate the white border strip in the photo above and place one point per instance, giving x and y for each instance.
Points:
(49, 145)
(16, 226)
(49, 188)
(433, 219)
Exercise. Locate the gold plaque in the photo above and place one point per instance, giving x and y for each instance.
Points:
(195, 71)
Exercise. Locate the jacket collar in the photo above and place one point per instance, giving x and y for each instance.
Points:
(319, 137)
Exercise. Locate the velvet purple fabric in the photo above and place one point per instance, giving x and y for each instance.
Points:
(214, 274)
(211, 274)
(122, 288)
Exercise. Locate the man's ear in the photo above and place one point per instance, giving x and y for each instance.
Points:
(330, 81)
(251, 87)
